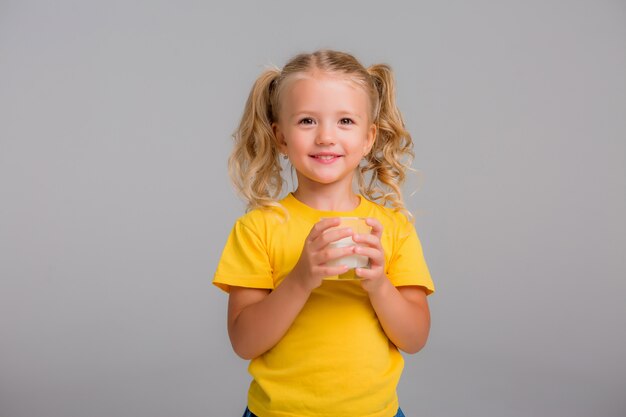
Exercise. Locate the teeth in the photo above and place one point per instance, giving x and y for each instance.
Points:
(325, 157)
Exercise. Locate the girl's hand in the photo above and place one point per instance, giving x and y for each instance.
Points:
(374, 277)
(311, 267)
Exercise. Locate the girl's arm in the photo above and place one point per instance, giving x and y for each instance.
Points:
(404, 315)
(259, 318)
(403, 312)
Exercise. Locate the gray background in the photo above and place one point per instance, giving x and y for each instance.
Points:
(115, 123)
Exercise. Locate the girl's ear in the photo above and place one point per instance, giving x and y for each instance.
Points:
(280, 138)
(371, 137)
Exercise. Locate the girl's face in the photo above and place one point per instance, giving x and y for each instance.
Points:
(324, 128)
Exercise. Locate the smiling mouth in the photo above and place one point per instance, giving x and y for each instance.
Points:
(325, 157)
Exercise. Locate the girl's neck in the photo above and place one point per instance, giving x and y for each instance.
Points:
(328, 199)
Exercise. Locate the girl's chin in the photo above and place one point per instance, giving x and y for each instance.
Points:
(325, 180)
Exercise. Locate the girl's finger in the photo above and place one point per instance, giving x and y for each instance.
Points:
(331, 254)
(376, 256)
(320, 227)
(333, 235)
(329, 271)
(369, 240)
(377, 227)
(365, 273)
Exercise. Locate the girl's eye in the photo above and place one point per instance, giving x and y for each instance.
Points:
(346, 121)
(306, 121)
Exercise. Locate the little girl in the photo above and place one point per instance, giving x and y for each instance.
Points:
(319, 345)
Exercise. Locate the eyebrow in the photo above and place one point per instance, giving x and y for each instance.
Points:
(312, 113)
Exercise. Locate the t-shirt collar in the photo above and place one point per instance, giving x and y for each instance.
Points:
(298, 208)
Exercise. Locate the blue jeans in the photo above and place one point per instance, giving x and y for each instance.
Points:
(248, 413)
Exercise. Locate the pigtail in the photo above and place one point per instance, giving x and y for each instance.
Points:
(391, 155)
(253, 165)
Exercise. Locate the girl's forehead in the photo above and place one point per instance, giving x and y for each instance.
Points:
(320, 81)
(310, 89)
(321, 75)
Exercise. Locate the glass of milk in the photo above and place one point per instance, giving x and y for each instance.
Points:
(358, 226)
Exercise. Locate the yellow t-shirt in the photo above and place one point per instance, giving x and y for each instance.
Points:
(335, 360)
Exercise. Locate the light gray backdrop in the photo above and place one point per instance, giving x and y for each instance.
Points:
(115, 123)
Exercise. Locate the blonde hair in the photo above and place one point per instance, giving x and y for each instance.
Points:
(254, 165)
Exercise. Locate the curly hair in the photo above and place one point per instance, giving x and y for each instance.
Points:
(254, 164)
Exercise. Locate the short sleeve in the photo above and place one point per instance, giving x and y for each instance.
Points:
(245, 260)
(407, 265)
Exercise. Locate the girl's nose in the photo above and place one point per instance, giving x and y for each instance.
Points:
(325, 135)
